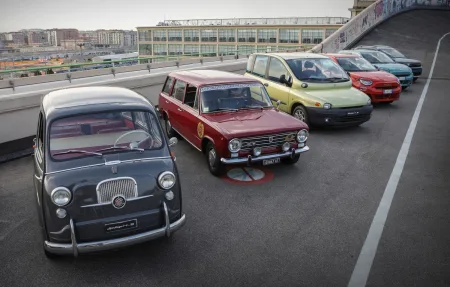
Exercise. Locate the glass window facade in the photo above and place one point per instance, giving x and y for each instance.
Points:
(159, 35)
(246, 35)
(175, 35)
(145, 35)
(246, 49)
(145, 49)
(208, 50)
(267, 36)
(289, 36)
(227, 35)
(208, 35)
(159, 49)
(328, 32)
(191, 49)
(191, 35)
(312, 36)
(227, 50)
(175, 49)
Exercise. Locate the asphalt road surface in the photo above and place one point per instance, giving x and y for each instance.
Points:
(303, 227)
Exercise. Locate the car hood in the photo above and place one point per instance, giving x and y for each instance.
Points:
(406, 61)
(379, 76)
(394, 68)
(339, 97)
(254, 122)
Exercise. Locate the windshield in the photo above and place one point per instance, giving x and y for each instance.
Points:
(377, 57)
(393, 53)
(234, 97)
(317, 70)
(99, 133)
(356, 64)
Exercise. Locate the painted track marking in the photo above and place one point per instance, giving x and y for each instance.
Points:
(365, 260)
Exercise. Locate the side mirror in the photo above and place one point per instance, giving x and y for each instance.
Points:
(283, 79)
(173, 141)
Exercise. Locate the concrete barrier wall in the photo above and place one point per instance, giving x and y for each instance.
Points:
(371, 17)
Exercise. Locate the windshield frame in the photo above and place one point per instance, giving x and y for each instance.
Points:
(105, 154)
(358, 58)
(243, 85)
(290, 62)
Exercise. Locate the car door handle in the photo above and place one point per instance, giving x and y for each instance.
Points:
(167, 101)
(180, 109)
(266, 84)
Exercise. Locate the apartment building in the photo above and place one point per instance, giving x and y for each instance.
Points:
(226, 36)
(119, 38)
(55, 36)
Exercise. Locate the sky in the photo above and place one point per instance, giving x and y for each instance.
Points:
(129, 14)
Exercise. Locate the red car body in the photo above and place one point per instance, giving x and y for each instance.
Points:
(385, 87)
(267, 127)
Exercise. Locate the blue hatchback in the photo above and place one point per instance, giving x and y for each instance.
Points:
(385, 63)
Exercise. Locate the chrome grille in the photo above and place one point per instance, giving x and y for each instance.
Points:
(109, 188)
(270, 140)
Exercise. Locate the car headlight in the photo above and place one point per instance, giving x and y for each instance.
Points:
(61, 196)
(327, 106)
(366, 82)
(302, 136)
(234, 145)
(166, 180)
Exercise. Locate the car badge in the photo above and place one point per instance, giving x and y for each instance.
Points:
(270, 139)
(114, 169)
(119, 201)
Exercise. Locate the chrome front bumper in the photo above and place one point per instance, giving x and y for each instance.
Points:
(77, 248)
(250, 159)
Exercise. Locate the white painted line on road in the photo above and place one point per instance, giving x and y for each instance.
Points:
(365, 260)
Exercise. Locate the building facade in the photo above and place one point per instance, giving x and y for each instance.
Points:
(120, 38)
(58, 35)
(359, 6)
(37, 38)
(231, 36)
(18, 38)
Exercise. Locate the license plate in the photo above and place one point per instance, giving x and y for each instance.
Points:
(402, 78)
(122, 225)
(388, 91)
(271, 161)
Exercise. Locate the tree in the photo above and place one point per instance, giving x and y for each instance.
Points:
(37, 73)
(49, 72)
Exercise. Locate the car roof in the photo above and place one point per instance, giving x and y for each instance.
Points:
(209, 77)
(295, 55)
(337, 55)
(78, 100)
(363, 50)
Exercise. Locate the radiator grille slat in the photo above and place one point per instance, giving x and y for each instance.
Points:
(109, 188)
(269, 140)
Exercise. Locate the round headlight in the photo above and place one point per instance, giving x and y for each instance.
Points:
(256, 151)
(234, 145)
(327, 106)
(286, 146)
(302, 136)
(166, 180)
(61, 196)
(365, 82)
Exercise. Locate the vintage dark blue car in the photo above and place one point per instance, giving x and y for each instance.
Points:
(104, 175)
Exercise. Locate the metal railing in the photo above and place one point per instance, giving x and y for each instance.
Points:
(68, 68)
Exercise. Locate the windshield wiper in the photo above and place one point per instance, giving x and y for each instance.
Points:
(224, 109)
(336, 79)
(119, 147)
(78, 151)
(252, 107)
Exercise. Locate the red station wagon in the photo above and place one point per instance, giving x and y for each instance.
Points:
(380, 86)
(230, 118)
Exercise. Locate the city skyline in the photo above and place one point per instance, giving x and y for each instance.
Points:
(127, 15)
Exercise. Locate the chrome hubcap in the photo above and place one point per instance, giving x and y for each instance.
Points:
(299, 115)
(212, 157)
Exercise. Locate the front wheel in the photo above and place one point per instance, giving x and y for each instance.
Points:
(213, 160)
(290, 160)
(300, 113)
(169, 130)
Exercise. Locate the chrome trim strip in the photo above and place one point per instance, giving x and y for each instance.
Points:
(74, 239)
(186, 139)
(102, 164)
(269, 135)
(166, 219)
(108, 203)
(61, 231)
(263, 157)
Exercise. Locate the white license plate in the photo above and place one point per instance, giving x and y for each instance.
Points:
(271, 161)
(402, 78)
(388, 91)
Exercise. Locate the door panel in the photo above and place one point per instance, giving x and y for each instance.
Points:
(175, 108)
(190, 116)
(275, 88)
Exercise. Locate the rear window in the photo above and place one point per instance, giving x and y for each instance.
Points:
(85, 135)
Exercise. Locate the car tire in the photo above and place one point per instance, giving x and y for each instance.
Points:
(300, 113)
(215, 166)
(290, 160)
(404, 88)
(169, 130)
(415, 80)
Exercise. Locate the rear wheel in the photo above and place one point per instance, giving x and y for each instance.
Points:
(290, 160)
(415, 80)
(213, 160)
(300, 113)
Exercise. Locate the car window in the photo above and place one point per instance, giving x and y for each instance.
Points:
(168, 85)
(260, 66)
(190, 98)
(178, 90)
(40, 138)
(250, 63)
(317, 70)
(80, 136)
(276, 69)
